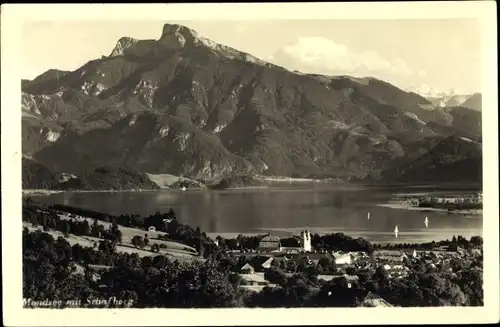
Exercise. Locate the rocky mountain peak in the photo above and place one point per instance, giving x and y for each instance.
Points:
(122, 44)
(177, 36)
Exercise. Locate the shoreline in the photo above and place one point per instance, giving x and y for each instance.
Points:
(268, 182)
(399, 206)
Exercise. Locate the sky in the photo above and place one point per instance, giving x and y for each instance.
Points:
(442, 54)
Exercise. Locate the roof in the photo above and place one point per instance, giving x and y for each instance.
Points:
(313, 256)
(79, 269)
(267, 263)
(256, 288)
(269, 244)
(341, 255)
(260, 261)
(255, 278)
(270, 238)
(326, 277)
(389, 253)
(247, 266)
(373, 300)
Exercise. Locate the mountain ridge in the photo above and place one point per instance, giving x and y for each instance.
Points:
(186, 106)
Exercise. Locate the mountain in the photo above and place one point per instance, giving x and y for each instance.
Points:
(186, 106)
(474, 102)
(448, 99)
(454, 159)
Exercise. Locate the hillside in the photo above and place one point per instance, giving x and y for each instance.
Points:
(109, 178)
(37, 176)
(453, 159)
(171, 181)
(186, 106)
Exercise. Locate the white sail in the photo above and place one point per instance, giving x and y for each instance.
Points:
(183, 188)
(396, 231)
(426, 222)
(368, 216)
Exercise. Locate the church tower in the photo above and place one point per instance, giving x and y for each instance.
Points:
(306, 241)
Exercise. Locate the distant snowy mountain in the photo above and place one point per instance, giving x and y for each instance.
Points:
(442, 99)
(429, 92)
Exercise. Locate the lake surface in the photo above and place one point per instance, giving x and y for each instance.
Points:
(284, 211)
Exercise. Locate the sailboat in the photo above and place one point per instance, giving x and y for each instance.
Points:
(368, 215)
(183, 188)
(426, 222)
(396, 231)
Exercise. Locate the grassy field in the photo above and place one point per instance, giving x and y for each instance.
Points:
(88, 241)
(175, 249)
(128, 233)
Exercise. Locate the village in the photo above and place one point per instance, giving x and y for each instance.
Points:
(276, 252)
(255, 265)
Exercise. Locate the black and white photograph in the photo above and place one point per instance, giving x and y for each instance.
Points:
(248, 160)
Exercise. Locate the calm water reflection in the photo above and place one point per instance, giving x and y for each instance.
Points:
(284, 211)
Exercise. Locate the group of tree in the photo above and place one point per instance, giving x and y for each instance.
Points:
(50, 219)
(149, 282)
(456, 241)
(340, 242)
(163, 222)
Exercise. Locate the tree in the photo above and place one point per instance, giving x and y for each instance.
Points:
(66, 228)
(155, 248)
(381, 277)
(95, 230)
(137, 241)
(107, 247)
(476, 240)
(275, 276)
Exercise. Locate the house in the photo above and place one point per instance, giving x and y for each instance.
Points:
(357, 255)
(342, 259)
(269, 243)
(255, 282)
(261, 263)
(390, 257)
(247, 269)
(311, 258)
(372, 300)
(77, 269)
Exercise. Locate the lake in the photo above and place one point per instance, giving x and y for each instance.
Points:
(287, 210)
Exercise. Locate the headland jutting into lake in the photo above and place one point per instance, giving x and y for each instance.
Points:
(471, 204)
